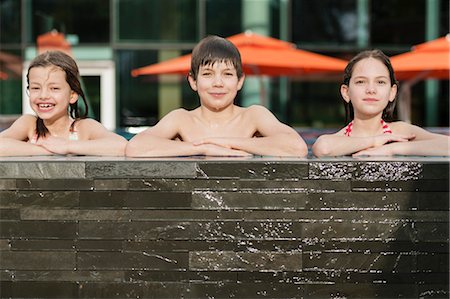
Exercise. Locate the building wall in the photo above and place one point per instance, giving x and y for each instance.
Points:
(135, 33)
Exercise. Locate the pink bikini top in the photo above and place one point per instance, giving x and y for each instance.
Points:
(386, 129)
(73, 135)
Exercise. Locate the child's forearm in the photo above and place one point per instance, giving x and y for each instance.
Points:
(329, 145)
(13, 147)
(280, 145)
(434, 147)
(98, 147)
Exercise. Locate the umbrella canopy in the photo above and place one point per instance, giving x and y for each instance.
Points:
(260, 56)
(427, 60)
(51, 41)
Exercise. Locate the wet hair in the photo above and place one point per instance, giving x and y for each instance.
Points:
(388, 112)
(214, 49)
(66, 63)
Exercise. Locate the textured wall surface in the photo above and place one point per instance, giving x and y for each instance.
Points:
(86, 227)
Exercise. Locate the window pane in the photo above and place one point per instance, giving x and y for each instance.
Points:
(156, 20)
(324, 22)
(218, 14)
(398, 22)
(316, 104)
(138, 97)
(10, 21)
(10, 82)
(88, 20)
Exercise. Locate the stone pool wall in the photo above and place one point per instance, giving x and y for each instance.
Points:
(88, 227)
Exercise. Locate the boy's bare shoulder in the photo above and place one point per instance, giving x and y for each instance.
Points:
(178, 113)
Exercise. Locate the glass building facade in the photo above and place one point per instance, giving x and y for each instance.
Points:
(110, 38)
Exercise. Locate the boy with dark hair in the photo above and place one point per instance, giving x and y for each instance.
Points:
(217, 127)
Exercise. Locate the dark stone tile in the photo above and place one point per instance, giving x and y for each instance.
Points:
(42, 169)
(401, 186)
(436, 290)
(42, 245)
(374, 246)
(38, 260)
(36, 199)
(180, 276)
(388, 171)
(9, 214)
(253, 170)
(4, 244)
(100, 245)
(139, 169)
(69, 276)
(331, 170)
(135, 199)
(246, 290)
(110, 184)
(433, 262)
(158, 230)
(185, 215)
(436, 171)
(167, 290)
(38, 229)
(6, 275)
(245, 261)
(361, 290)
(55, 184)
(270, 199)
(8, 184)
(33, 289)
(138, 260)
(386, 262)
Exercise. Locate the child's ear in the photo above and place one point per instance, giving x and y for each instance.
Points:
(393, 92)
(344, 93)
(241, 82)
(73, 97)
(192, 83)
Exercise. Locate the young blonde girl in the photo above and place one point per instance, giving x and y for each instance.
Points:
(58, 127)
(369, 91)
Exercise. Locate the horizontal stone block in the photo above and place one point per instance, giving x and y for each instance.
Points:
(253, 170)
(245, 261)
(256, 199)
(401, 186)
(74, 184)
(43, 245)
(39, 289)
(133, 169)
(39, 199)
(42, 170)
(7, 184)
(38, 229)
(180, 276)
(137, 260)
(135, 199)
(38, 260)
(68, 276)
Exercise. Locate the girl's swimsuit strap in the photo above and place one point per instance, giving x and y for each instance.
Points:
(384, 125)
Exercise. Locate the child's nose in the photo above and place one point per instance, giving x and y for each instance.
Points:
(218, 80)
(370, 88)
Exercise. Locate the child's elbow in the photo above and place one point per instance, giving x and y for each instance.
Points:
(321, 148)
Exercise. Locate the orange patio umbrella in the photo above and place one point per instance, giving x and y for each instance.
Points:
(427, 60)
(260, 56)
(52, 41)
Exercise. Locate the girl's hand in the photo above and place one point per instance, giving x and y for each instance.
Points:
(380, 140)
(55, 145)
(384, 150)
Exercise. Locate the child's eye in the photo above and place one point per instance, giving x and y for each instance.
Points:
(229, 74)
(359, 81)
(381, 82)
